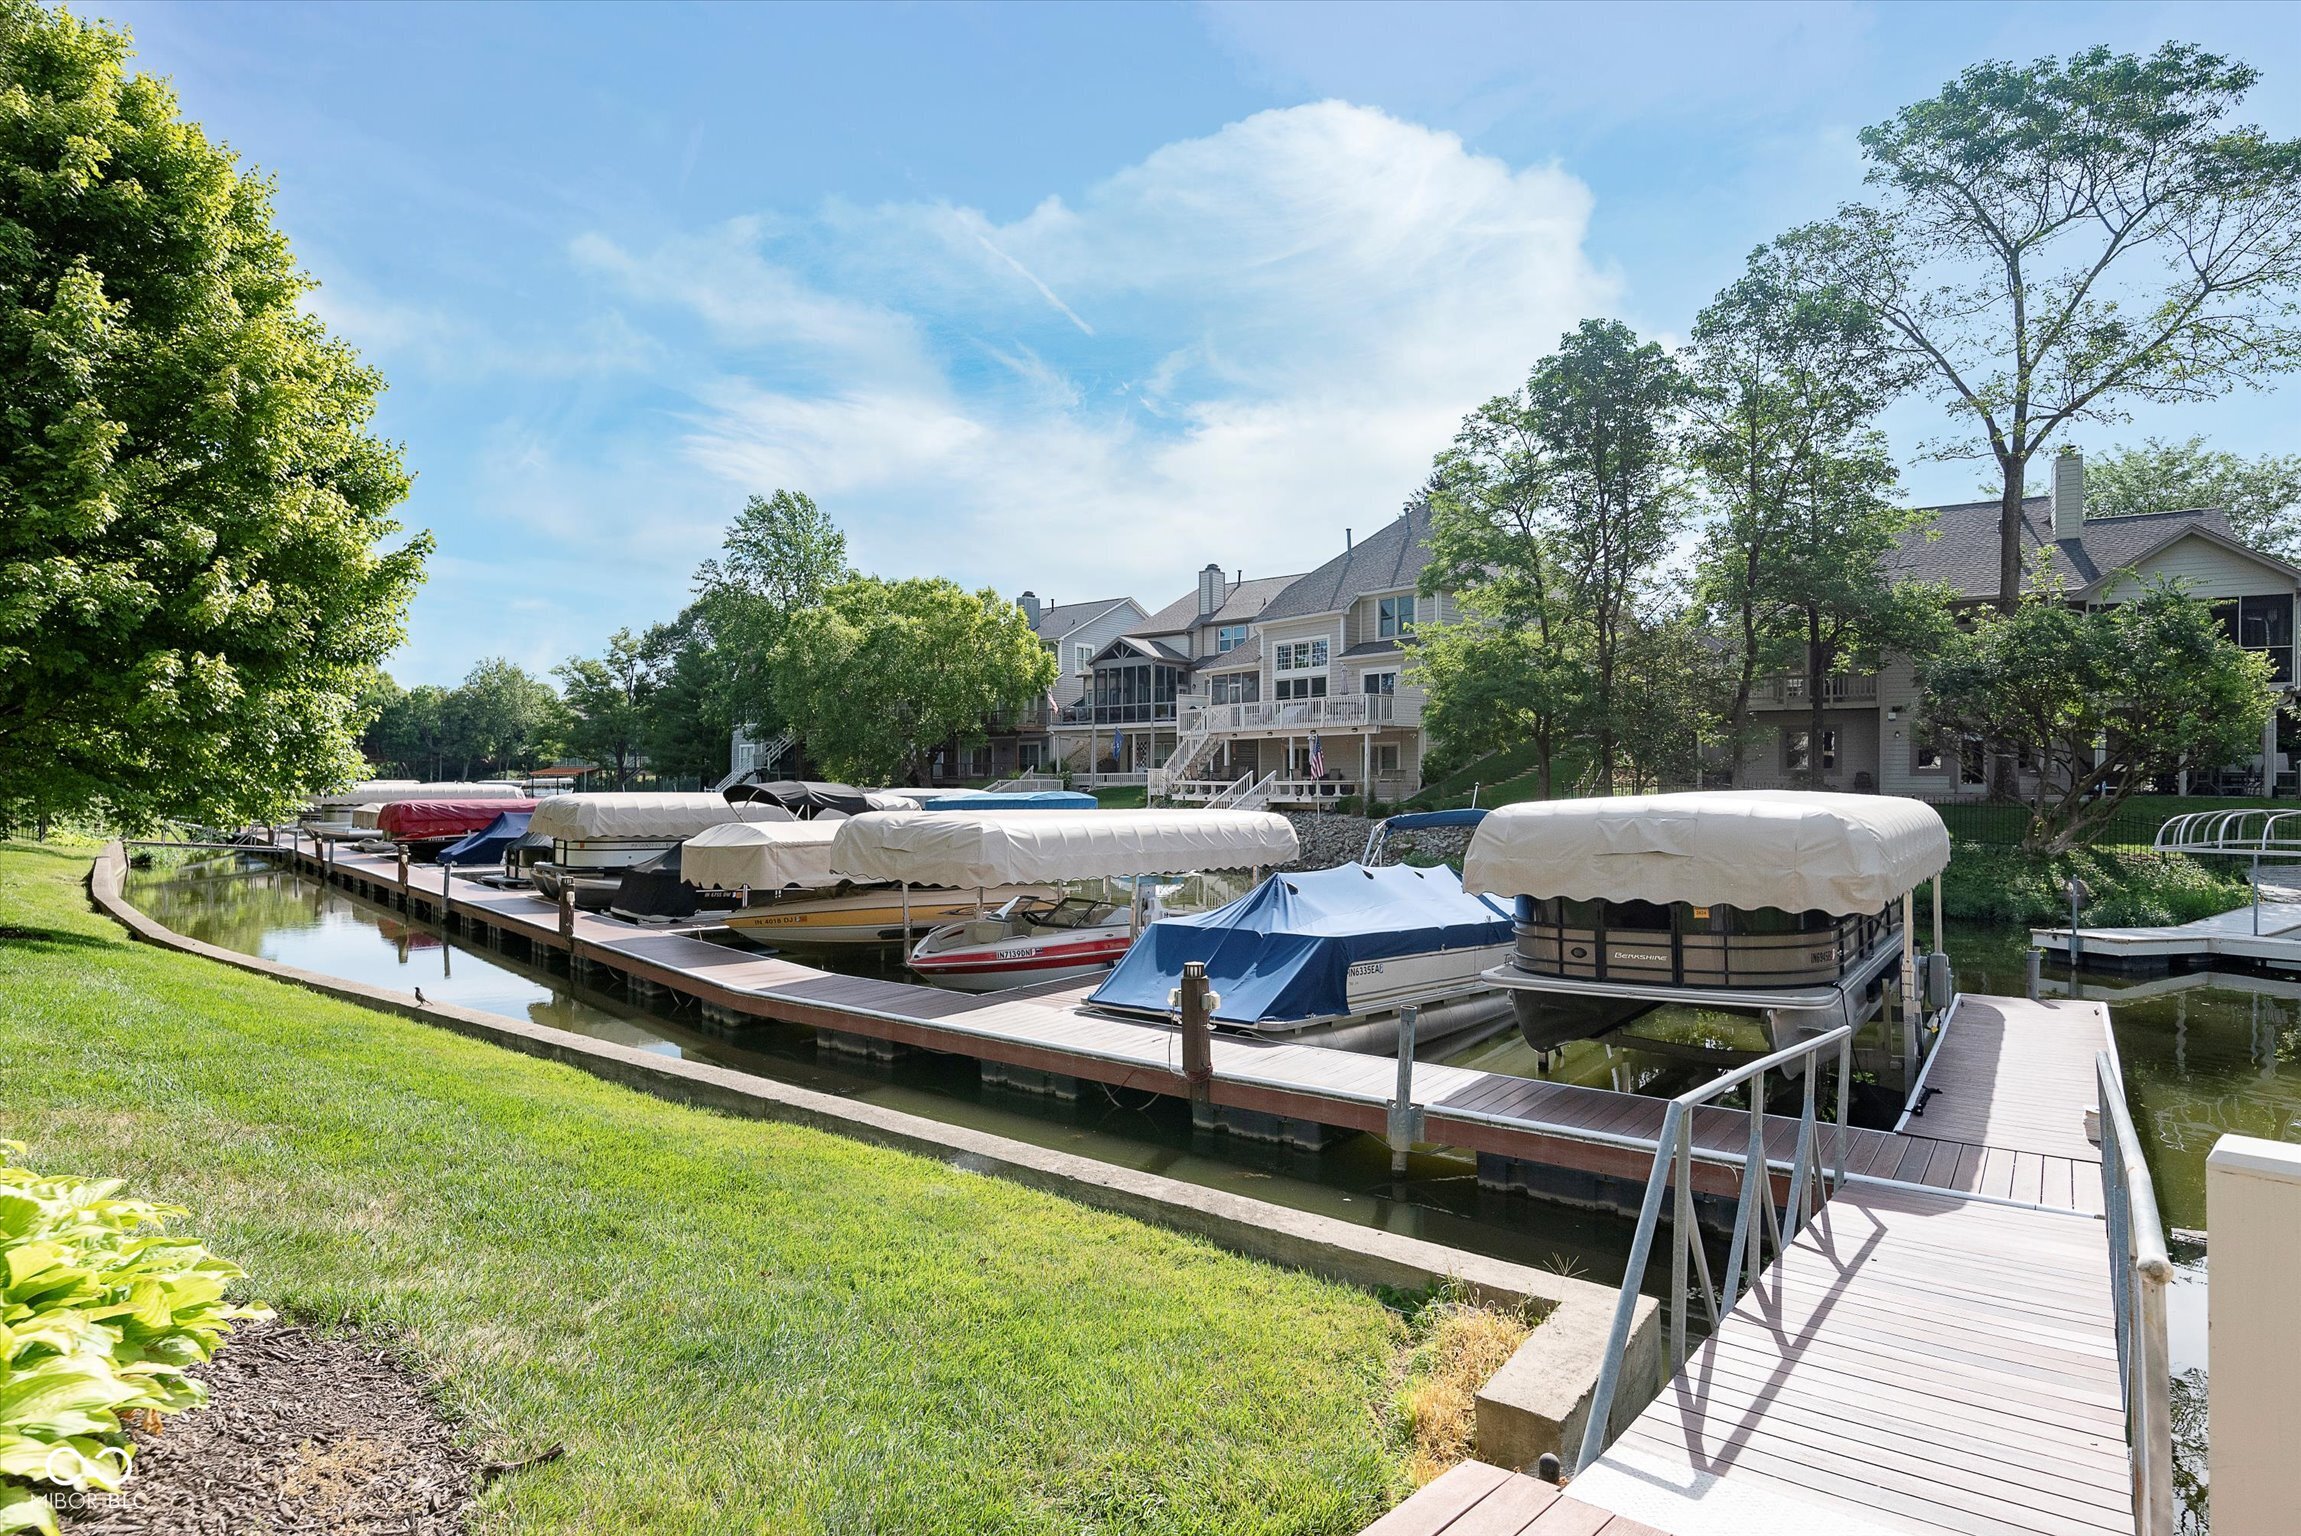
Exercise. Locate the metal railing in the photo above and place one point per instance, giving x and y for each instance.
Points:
(2139, 1270)
(2246, 834)
(1810, 1184)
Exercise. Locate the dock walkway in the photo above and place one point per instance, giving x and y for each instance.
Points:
(1308, 1087)
(1923, 1360)
(2227, 936)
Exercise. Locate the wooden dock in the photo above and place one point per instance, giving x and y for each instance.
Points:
(1267, 1088)
(1923, 1360)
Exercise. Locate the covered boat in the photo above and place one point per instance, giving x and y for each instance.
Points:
(495, 842)
(339, 814)
(594, 837)
(803, 798)
(1330, 955)
(781, 874)
(442, 821)
(1056, 939)
(1771, 901)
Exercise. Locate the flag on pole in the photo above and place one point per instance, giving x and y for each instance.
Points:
(1317, 759)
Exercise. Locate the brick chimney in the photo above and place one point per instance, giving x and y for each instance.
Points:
(2068, 495)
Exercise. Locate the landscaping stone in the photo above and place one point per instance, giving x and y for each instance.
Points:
(1329, 838)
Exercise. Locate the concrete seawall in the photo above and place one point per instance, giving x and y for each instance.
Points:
(1535, 1403)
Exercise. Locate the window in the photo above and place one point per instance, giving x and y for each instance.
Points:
(1378, 682)
(1302, 656)
(1029, 757)
(1235, 688)
(2263, 624)
(1229, 638)
(1925, 755)
(1302, 687)
(1794, 754)
(1397, 617)
(1080, 656)
(1386, 759)
(1972, 762)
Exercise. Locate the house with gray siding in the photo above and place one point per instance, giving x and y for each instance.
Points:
(1871, 739)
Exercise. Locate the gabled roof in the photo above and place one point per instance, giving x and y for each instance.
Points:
(1063, 618)
(1959, 547)
(1141, 645)
(1242, 604)
(1388, 560)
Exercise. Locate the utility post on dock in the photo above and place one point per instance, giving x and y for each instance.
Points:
(1197, 1038)
(406, 901)
(1405, 1120)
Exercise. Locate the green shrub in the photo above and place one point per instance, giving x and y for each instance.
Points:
(2130, 890)
(101, 1312)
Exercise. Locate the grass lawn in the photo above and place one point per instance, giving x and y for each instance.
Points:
(1122, 797)
(730, 1325)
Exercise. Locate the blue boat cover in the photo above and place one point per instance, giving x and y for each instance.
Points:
(1413, 821)
(1018, 800)
(1284, 950)
(489, 844)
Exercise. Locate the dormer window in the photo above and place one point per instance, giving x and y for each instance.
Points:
(1397, 617)
(1230, 637)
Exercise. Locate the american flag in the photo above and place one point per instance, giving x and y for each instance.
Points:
(1317, 759)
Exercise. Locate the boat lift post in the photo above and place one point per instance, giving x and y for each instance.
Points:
(404, 903)
(1193, 1005)
(1909, 986)
(1405, 1128)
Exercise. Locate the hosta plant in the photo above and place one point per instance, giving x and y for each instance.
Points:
(101, 1313)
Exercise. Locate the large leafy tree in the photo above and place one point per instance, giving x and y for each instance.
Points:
(2056, 240)
(2261, 495)
(1788, 369)
(690, 716)
(608, 698)
(2103, 700)
(881, 673)
(782, 555)
(193, 584)
(502, 718)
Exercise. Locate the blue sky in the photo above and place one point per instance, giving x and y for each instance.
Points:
(1074, 299)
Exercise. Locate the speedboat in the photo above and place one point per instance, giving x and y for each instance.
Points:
(1773, 902)
(1027, 942)
(1330, 957)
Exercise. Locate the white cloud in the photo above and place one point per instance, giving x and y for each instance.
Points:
(1289, 318)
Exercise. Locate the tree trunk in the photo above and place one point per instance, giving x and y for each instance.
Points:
(2009, 526)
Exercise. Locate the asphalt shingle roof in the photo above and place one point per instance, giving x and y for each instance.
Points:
(1248, 653)
(1059, 620)
(1386, 560)
(1959, 547)
(1242, 604)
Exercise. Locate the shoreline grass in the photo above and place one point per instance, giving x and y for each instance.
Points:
(730, 1324)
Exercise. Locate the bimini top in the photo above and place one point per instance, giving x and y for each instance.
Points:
(422, 820)
(1798, 851)
(385, 791)
(492, 842)
(802, 797)
(961, 849)
(578, 818)
(1284, 950)
(761, 855)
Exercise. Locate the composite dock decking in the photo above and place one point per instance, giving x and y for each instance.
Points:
(1923, 1360)
(2224, 936)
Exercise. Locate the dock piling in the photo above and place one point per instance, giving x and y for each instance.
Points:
(1197, 1038)
(1404, 1123)
(406, 900)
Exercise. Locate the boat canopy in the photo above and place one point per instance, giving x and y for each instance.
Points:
(1417, 821)
(415, 821)
(492, 842)
(801, 797)
(384, 791)
(1284, 950)
(967, 848)
(1788, 849)
(1021, 800)
(635, 817)
(763, 855)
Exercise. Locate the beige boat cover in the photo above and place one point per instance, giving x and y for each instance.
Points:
(385, 791)
(985, 848)
(631, 817)
(760, 855)
(1789, 849)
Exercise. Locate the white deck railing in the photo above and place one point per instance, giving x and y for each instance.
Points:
(2139, 1270)
(1352, 710)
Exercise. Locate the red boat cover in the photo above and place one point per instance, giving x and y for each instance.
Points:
(415, 821)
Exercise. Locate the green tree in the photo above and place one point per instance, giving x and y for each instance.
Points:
(2055, 240)
(781, 557)
(1788, 369)
(2261, 495)
(502, 718)
(884, 672)
(410, 732)
(608, 700)
(690, 718)
(1676, 686)
(192, 586)
(2102, 700)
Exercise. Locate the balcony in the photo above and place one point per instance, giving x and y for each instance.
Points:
(1837, 688)
(1346, 711)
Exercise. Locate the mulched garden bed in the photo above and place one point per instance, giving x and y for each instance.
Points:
(302, 1433)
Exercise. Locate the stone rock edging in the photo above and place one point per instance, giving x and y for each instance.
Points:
(1537, 1402)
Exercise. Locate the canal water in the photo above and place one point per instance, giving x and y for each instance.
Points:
(2203, 1055)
